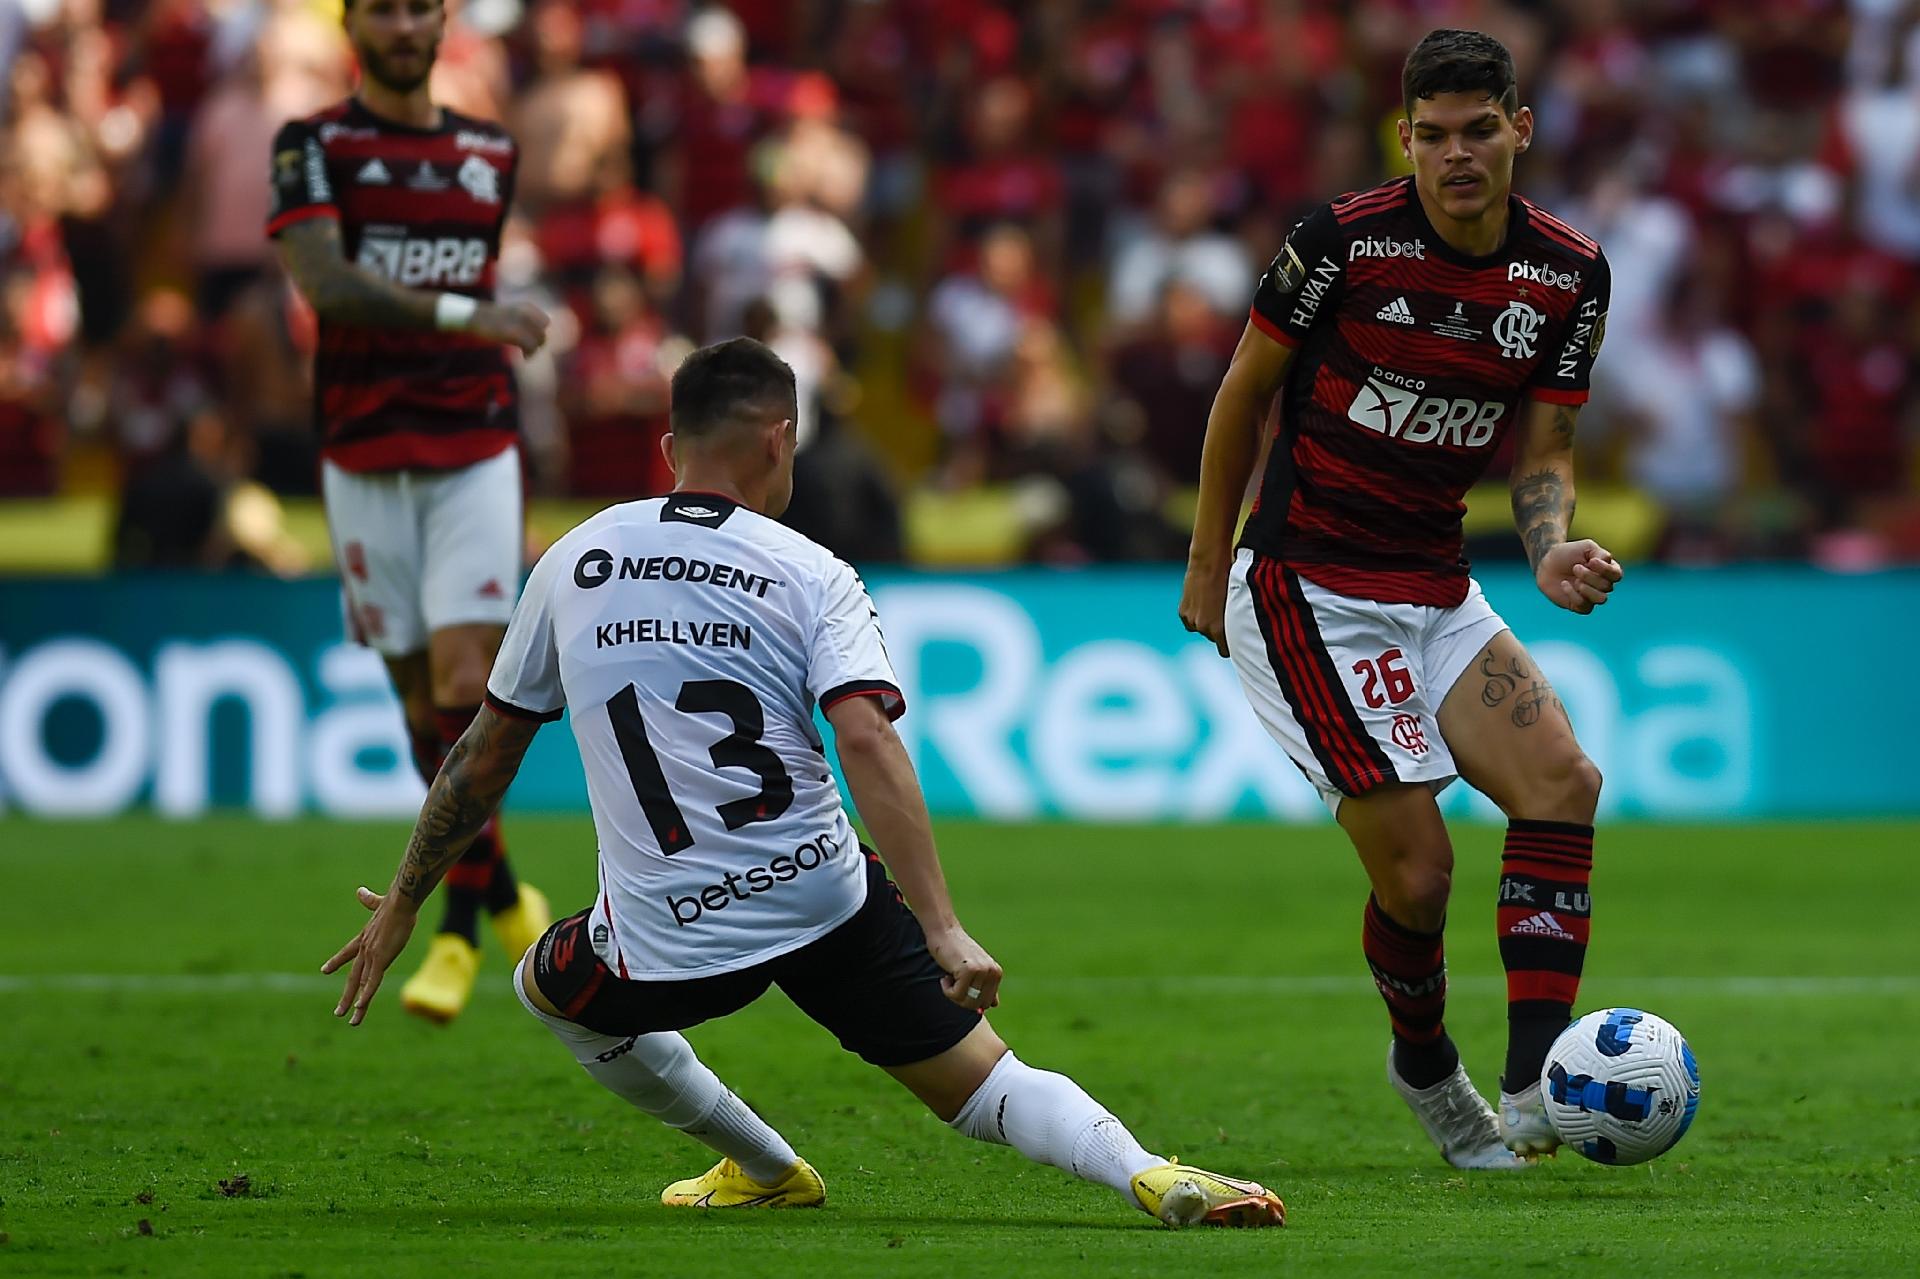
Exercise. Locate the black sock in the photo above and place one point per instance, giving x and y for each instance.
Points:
(1410, 969)
(1544, 918)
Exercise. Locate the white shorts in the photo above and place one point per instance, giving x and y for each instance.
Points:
(1351, 688)
(422, 550)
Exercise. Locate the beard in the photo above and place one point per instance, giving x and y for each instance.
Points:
(385, 71)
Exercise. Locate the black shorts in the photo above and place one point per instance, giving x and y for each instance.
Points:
(870, 981)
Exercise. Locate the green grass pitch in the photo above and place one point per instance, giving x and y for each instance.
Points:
(163, 1029)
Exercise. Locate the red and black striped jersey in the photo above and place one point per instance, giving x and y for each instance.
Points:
(422, 208)
(1412, 361)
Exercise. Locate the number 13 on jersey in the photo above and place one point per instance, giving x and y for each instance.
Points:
(740, 748)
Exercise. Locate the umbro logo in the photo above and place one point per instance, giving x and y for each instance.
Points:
(373, 174)
(1395, 312)
(1542, 924)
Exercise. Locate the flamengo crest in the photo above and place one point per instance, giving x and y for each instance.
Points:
(481, 180)
(1516, 329)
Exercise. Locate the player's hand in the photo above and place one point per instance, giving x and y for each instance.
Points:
(1578, 576)
(520, 324)
(371, 953)
(973, 977)
(1203, 603)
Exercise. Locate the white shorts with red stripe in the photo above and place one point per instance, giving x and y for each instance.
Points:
(419, 551)
(1351, 688)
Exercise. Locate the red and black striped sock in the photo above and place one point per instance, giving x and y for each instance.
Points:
(481, 877)
(1543, 921)
(1410, 968)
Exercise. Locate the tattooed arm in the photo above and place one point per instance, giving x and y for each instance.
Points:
(341, 292)
(1576, 575)
(477, 772)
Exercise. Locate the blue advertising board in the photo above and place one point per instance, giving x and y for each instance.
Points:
(1032, 693)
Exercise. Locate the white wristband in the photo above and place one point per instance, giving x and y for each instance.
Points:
(454, 311)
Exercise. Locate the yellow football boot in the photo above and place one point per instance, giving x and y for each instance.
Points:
(1184, 1196)
(440, 989)
(520, 925)
(725, 1186)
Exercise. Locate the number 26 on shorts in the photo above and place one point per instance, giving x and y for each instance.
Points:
(1389, 682)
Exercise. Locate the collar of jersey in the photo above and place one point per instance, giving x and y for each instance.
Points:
(366, 112)
(709, 494)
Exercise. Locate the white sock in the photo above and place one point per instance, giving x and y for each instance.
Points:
(660, 1074)
(1051, 1120)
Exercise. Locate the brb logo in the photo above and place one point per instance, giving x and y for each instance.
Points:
(411, 261)
(1367, 247)
(1392, 404)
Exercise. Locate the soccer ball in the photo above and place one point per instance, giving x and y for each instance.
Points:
(1620, 1086)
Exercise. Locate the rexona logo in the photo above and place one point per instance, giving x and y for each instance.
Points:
(739, 887)
(1368, 247)
(1541, 273)
(1392, 404)
(411, 261)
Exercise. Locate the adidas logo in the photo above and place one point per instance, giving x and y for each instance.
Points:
(490, 590)
(1395, 312)
(1542, 924)
(373, 174)
(699, 512)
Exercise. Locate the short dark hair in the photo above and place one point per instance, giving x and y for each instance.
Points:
(724, 383)
(1453, 61)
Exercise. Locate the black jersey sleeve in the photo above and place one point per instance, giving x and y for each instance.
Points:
(1563, 377)
(298, 178)
(1299, 286)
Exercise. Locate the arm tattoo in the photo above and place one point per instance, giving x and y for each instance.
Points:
(342, 293)
(1563, 418)
(462, 797)
(1543, 509)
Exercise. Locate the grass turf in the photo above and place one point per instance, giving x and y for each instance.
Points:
(165, 1031)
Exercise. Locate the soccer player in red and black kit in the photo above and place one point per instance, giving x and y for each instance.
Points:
(1407, 330)
(387, 210)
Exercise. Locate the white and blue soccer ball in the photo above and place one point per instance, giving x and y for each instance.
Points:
(1621, 1086)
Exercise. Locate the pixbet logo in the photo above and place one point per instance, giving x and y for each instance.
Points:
(783, 869)
(1542, 273)
(1368, 247)
(1391, 404)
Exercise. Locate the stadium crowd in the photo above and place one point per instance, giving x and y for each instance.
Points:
(1007, 247)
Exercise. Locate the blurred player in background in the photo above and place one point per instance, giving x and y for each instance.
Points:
(691, 637)
(1407, 330)
(387, 209)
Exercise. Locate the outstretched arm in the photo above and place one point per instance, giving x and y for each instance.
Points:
(881, 779)
(477, 772)
(341, 292)
(1576, 575)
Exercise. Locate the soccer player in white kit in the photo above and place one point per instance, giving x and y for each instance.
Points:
(691, 638)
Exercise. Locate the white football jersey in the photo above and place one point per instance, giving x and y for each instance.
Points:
(690, 639)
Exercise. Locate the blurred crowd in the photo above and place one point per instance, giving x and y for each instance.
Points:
(1007, 247)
